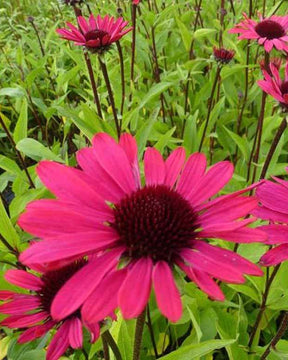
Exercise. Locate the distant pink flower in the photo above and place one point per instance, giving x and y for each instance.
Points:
(136, 2)
(273, 197)
(222, 55)
(145, 230)
(97, 34)
(269, 32)
(33, 311)
(274, 86)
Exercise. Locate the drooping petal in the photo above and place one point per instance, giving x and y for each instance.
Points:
(276, 233)
(59, 343)
(104, 299)
(20, 305)
(167, 294)
(35, 332)
(135, 290)
(23, 279)
(275, 256)
(77, 289)
(129, 145)
(20, 321)
(75, 332)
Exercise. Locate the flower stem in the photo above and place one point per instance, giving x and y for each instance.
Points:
(269, 281)
(277, 337)
(110, 93)
(134, 20)
(105, 348)
(258, 135)
(122, 75)
(93, 83)
(18, 153)
(275, 142)
(150, 327)
(210, 102)
(107, 337)
(138, 335)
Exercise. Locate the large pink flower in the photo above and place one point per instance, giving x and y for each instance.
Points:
(144, 230)
(97, 34)
(270, 32)
(273, 197)
(33, 311)
(274, 86)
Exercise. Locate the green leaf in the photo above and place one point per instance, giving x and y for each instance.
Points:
(20, 131)
(240, 142)
(196, 350)
(200, 33)
(7, 229)
(37, 151)
(12, 92)
(11, 167)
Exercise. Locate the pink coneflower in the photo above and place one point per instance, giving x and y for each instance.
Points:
(97, 34)
(33, 311)
(222, 55)
(144, 230)
(273, 197)
(270, 32)
(274, 86)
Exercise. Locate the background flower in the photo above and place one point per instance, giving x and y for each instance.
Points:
(274, 86)
(269, 32)
(273, 197)
(97, 34)
(31, 312)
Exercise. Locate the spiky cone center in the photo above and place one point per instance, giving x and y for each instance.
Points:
(222, 55)
(155, 222)
(53, 281)
(270, 29)
(97, 41)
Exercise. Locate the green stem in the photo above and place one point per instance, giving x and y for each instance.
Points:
(138, 335)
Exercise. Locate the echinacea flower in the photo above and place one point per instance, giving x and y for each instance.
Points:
(273, 198)
(142, 231)
(32, 311)
(276, 61)
(274, 86)
(269, 32)
(97, 34)
(222, 55)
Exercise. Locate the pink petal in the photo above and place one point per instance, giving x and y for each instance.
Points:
(192, 174)
(80, 188)
(66, 246)
(20, 321)
(20, 305)
(268, 45)
(23, 279)
(35, 332)
(154, 167)
(76, 290)
(277, 234)
(273, 196)
(135, 290)
(113, 160)
(6, 294)
(173, 166)
(204, 282)
(275, 256)
(59, 343)
(212, 182)
(167, 294)
(104, 299)
(75, 332)
(83, 24)
(270, 215)
(227, 257)
(48, 223)
(94, 330)
(241, 235)
(229, 209)
(107, 186)
(129, 145)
